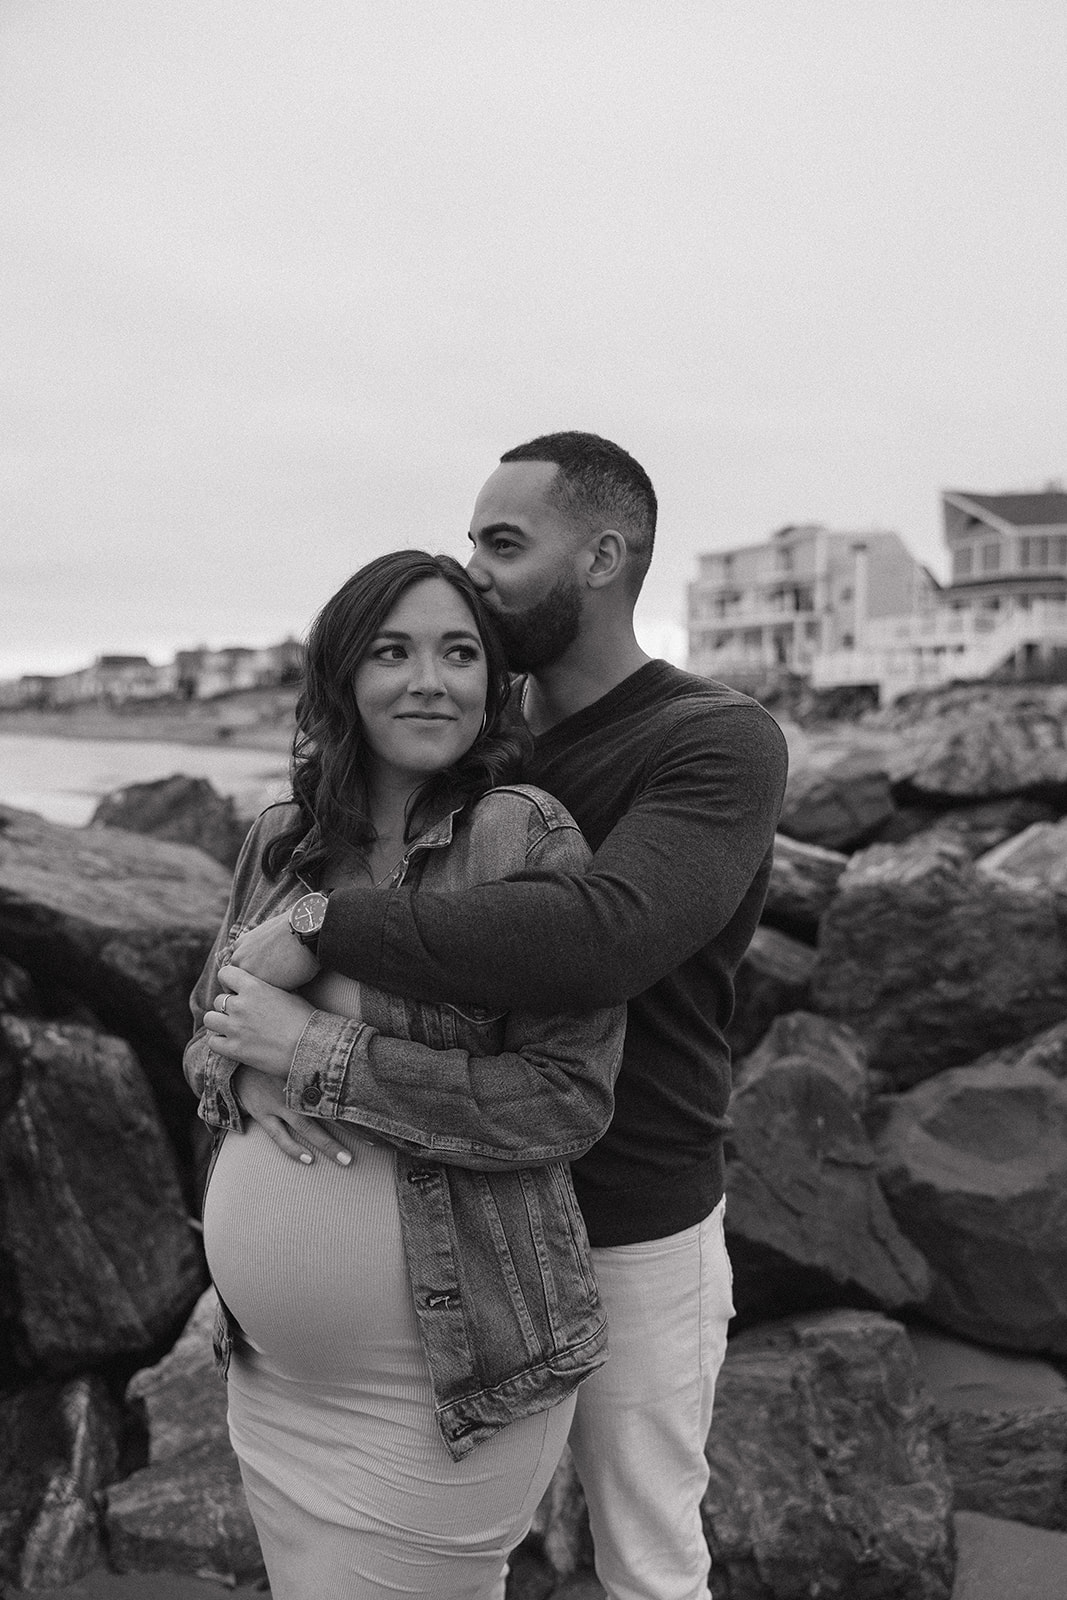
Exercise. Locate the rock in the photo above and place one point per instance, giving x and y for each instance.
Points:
(836, 1050)
(1037, 855)
(1002, 1560)
(124, 921)
(836, 797)
(182, 1400)
(59, 1447)
(806, 1222)
(16, 987)
(1047, 1050)
(1002, 1422)
(102, 1260)
(529, 1575)
(974, 1165)
(183, 810)
(987, 744)
(185, 1511)
(978, 828)
(804, 880)
(773, 978)
(933, 962)
(826, 1478)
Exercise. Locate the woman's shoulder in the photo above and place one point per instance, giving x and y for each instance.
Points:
(513, 800)
(516, 827)
(274, 819)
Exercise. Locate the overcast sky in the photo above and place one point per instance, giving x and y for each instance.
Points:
(278, 283)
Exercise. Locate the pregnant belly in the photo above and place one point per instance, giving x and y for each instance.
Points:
(310, 1259)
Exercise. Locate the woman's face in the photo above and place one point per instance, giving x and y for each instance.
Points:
(420, 689)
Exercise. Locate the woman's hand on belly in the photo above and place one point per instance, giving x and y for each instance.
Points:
(258, 1025)
(262, 1098)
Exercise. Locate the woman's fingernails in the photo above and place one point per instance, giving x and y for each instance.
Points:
(306, 1157)
(344, 1158)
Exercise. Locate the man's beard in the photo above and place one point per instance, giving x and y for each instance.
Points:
(538, 636)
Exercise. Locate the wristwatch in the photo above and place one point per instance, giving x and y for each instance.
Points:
(306, 918)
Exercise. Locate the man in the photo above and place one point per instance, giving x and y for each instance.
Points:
(677, 784)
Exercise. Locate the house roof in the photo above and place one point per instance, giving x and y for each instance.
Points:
(1045, 509)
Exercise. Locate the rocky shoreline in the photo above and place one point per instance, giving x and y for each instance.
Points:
(896, 1181)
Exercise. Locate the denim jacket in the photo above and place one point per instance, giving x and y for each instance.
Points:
(484, 1111)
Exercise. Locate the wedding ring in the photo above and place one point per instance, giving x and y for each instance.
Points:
(222, 1002)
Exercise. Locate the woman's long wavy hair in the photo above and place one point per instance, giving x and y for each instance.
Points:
(330, 756)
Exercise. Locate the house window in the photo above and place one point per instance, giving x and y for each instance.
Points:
(1034, 551)
(991, 558)
(963, 561)
(1059, 550)
(846, 594)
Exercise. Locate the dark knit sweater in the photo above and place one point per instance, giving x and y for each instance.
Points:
(676, 782)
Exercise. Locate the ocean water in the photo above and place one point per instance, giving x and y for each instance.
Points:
(64, 779)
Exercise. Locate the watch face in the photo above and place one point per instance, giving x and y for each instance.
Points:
(307, 915)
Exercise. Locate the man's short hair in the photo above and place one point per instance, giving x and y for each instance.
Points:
(599, 486)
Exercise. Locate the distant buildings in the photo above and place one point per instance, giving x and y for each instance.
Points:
(201, 674)
(858, 609)
(808, 592)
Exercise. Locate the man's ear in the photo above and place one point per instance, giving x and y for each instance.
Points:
(606, 556)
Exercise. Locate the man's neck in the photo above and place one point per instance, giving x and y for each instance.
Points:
(588, 671)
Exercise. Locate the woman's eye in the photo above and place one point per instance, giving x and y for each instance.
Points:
(389, 652)
(464, 653)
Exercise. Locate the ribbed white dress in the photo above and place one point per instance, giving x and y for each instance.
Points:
(352, 1490)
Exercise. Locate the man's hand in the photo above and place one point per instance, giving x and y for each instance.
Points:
(273, 953)
(262, 1098)
(256, 1023)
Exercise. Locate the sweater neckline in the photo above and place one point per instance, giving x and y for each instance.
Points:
(597, 712)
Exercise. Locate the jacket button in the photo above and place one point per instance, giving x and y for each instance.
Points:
(312, 1094)
(421, 1175)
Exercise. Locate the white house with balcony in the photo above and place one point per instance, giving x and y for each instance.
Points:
(805, 594)
(1004, 612)
(843, 608)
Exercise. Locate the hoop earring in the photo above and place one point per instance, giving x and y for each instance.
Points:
(485, 723)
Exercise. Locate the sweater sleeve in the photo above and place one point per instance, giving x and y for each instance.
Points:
(667, 879)
(536, 1089)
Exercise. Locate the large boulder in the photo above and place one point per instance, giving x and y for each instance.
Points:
(773, 978)
(1002, 1423)
(981, 826)
(804, 879)
(831, 1046)
(59, 1447)
(838, 797)
(125, 923)
(806, 1222)
(933, 961)
(185, 1510)
(1047, 1050)
(181, 809)
(1037, 855)
(95, 1241)
(974, 1165)
(983, 744)
(826, 1478)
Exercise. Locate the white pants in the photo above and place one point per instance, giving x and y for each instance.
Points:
(642, 1420)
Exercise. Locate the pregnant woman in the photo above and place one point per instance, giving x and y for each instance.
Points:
(406, 1299)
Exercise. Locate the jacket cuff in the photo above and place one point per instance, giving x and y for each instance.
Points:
(316, 1080)
(218, 1103)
